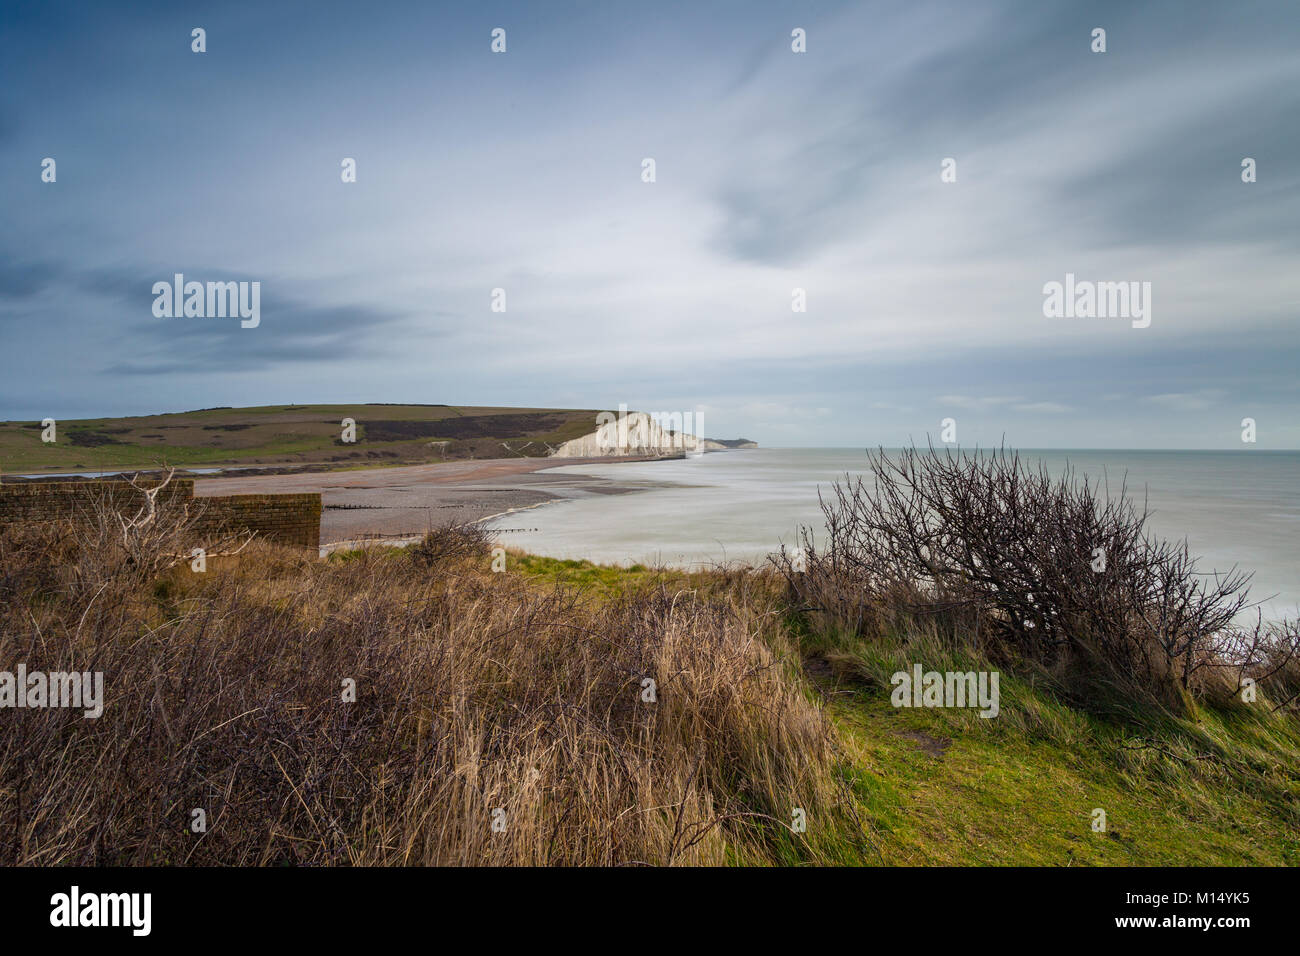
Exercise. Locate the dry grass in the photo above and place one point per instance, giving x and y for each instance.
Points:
(480, 698)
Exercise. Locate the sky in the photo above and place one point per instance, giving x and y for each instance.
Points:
(775, 170)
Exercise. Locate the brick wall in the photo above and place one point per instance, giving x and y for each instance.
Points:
(51, 500)
(286, 519)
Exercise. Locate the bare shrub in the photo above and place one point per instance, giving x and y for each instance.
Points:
(451, 543)
(120, 546)
(1055, 569)
(1268, 654)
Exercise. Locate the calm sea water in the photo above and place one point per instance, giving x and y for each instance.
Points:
(1235, 507)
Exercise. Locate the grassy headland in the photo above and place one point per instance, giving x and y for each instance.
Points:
(290, 435)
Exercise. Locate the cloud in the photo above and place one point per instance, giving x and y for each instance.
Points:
(1185, 401)
(1050, 407)
(23, 280)
(776, 170)
(967, 401)
(290, 333)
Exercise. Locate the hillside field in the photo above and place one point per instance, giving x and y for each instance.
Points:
(288, 435)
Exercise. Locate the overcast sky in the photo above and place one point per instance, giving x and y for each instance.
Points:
(775, 170)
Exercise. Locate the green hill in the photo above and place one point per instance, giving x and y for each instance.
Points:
(289, 435)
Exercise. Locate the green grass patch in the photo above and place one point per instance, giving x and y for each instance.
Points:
(934, 786)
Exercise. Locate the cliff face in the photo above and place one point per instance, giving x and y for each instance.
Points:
(639, 434)
(635, 434)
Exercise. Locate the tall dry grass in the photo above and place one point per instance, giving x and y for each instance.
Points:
(495, 721)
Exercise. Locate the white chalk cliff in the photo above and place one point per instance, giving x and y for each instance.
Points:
(635, 434)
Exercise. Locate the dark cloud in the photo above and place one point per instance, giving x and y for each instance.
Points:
(22, 280)
(289, 333)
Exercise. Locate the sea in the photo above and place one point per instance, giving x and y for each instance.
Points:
(1234, 508)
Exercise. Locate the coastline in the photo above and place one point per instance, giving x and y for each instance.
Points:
(401, 502)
